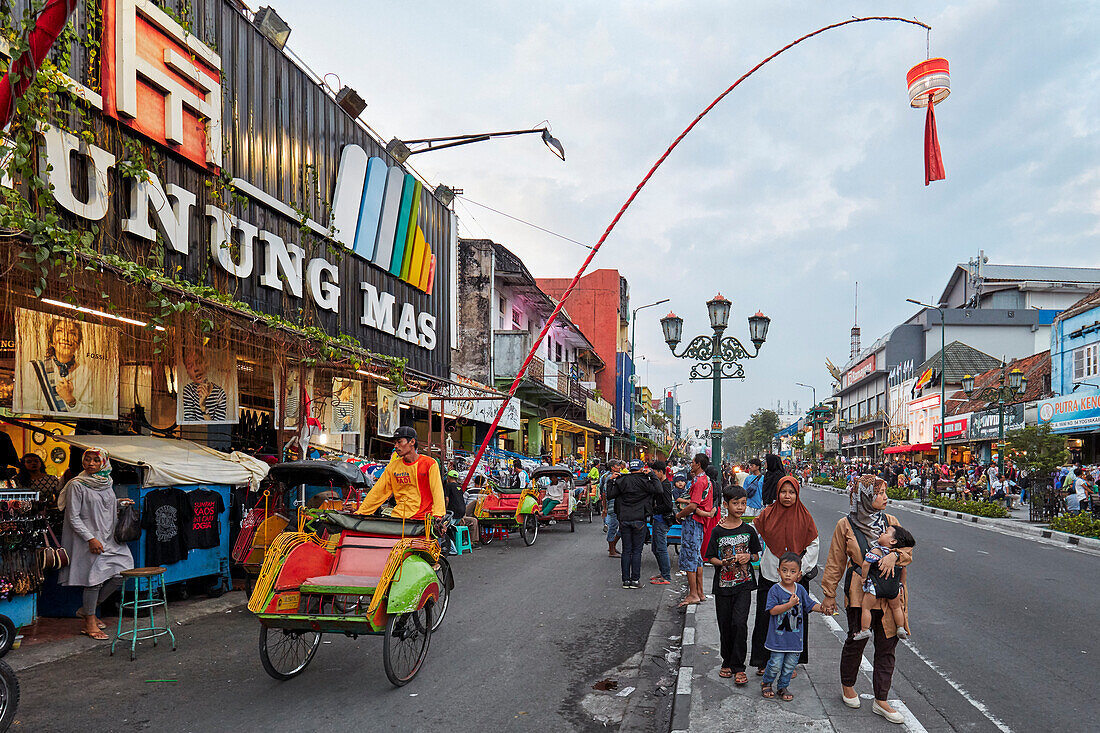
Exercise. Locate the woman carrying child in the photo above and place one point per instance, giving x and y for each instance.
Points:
(853, 536)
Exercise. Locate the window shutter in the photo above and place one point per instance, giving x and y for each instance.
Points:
(1078, 364)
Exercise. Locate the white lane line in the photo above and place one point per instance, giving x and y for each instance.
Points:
(948, 549)
(911, 723)
(978, 704)
(982, 552)
(831, 622)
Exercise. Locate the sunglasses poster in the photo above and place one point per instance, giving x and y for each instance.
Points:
(207, 385)
(64, 367)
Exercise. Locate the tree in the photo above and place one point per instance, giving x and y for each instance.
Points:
(1038, 450)
(759, 431)
(732, 441)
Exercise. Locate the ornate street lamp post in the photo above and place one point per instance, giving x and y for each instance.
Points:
(718, 357)
(1012, 384)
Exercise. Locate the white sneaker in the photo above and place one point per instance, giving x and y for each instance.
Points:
(894, 717)
(903, 633)
(862, 634)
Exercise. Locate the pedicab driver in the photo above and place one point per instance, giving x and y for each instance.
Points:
(411, 479)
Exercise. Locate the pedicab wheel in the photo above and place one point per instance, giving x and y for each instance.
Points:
(406, 644)
(7, 636)
(572, 523)
(286, 653)
(529, 530)
(9, 695)
(446, 582)
(486, 536)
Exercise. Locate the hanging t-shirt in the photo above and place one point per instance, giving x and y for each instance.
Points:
(204, 530)
(165, 517)
(725, 543)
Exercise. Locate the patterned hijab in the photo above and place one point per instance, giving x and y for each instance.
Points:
(870, 522)
(98, 481)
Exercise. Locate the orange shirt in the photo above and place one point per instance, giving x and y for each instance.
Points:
(417, 489)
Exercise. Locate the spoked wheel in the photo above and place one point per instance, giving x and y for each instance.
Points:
(9, 695)
(406, 644)
(285, 653)
(572, 522)
(529, 530)
(486, 535)
(446, 582)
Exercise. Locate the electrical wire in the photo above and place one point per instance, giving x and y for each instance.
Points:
(523, 221)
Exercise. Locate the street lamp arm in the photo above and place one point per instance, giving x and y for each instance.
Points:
(705, 370)
(732, 349)
(700, 347)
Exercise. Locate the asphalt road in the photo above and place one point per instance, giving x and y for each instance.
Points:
(529, 630)
(1010, 621)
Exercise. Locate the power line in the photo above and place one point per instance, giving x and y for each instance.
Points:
(524, 221)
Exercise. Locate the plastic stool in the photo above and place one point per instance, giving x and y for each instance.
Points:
(461, 541)
(153, 581)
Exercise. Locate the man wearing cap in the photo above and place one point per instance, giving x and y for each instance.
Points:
(411, 479)
(633, 494)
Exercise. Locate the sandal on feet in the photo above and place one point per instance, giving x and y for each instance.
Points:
(80, 614)
(740, 679)
(759, 671)
(767, 691)
(785, 695)
(725, 673)
(97, 635)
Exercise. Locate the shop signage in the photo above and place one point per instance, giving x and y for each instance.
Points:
(864, 436)
(459, 405)
(923, 413)
(847, 438)
(598, 411)
(952, 427)
(985, 425)
(1073, 413)
(859, 371)
(166, 84)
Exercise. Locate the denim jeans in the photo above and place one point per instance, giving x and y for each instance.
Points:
(660, 547)
(633, 533)
(612, 525)
(780, 665)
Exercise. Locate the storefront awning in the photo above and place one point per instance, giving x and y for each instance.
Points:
(174, 462)
(560, 423)
(908, 448)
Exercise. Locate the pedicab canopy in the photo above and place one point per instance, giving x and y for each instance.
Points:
(929, 83)
(174, 462)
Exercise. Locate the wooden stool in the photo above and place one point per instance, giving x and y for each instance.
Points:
(151, 580)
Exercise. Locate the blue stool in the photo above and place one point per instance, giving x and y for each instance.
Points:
(462, 539)
(151, 581)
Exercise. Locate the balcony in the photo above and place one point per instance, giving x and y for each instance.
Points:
(553, 379)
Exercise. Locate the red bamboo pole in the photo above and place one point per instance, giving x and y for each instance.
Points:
(626, 205)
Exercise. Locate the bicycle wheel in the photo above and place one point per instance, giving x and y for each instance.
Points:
(406, 644)
(284, 654)
(529, 530)
(446, 582)
(9, 695)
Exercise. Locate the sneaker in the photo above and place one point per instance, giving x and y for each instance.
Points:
(627, 585)
(903, 633)
(635, 584)
(553, 522)
(862, 634)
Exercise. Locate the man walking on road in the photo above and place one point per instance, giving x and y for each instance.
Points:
(663, 510)
(633, 495)
(610, 521)
(691, 534)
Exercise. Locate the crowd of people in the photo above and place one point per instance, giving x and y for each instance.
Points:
(750, 526)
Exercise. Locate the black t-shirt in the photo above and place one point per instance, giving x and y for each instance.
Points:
(727, 543)
(204, 530)
(452, 498)
(165, 517)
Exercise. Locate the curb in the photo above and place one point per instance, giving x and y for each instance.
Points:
(643, 705)
(681, 706)
(1026, 529)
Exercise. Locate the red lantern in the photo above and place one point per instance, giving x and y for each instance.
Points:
(929, 83)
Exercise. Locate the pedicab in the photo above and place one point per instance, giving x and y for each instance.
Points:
(500, 511)
(543, 478)
(343, 573)
(289, 487)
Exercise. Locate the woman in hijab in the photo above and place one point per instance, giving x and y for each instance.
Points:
(95, 558)
(773, 471)
(785, 526)
(853, 534)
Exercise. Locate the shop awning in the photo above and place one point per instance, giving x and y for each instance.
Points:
(908, 448)
(174, 462)
(560, 423)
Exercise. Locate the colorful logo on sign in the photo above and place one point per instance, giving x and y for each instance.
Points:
(375, 210)
(162, 81)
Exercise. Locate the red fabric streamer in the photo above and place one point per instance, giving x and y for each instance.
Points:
(51, 21)
(933, 160)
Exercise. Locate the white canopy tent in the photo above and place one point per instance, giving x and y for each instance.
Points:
(174, 462)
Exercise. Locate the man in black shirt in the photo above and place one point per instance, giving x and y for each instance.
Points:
(633, 496)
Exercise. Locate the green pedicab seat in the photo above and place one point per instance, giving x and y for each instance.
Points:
(365, 524)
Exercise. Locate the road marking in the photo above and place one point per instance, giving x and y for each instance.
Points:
(948, 549)
(982, 552)
(831, 622)
(683, 681)
(689, 635)
(911, 723)
(978, 704)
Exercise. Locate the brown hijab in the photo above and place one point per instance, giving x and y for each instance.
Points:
(786, 528)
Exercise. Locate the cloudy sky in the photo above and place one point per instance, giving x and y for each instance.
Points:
(806, 179)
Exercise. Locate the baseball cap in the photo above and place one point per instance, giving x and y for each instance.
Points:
(452, 474)
(635, 465)
(404, 432)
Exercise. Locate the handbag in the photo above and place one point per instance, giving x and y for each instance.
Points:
(128, 526)
(56, 556)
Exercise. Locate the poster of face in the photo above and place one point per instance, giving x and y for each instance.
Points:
(64, 367)
(388, 412)
(292, 397)
(208, 385)
(345, 408)
(7, 373)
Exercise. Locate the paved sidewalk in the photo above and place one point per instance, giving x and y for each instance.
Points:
(717, 704)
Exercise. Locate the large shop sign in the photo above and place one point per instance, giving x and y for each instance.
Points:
(985, 425)
(859, 371)
(955, 426)
(922, 414)
(165, 84)
(1073, 413)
